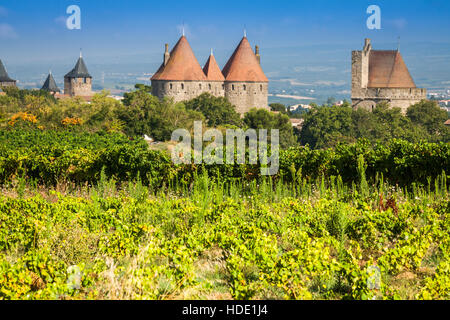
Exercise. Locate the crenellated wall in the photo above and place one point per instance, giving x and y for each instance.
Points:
(402, 98)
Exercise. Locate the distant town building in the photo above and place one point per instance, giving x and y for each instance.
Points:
(447, 123)
(5, 80)
(50, 85)
(297, 123)
(382, 76)
(78, 82)
(242, 80)
(298, 106)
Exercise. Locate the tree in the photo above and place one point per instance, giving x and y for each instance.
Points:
(263, 119)
(331, 101)
(143, 113)
(217, 110)
(143, 87)
(326, 126)
(278, 107)
(430, 116)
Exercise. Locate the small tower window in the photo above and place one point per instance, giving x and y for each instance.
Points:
(182, 86)
(232, 87)
(245, 87)
(200, 86)
(223, 87)
(209, 86)
(170, 86)
(260, 87)
(84, 80)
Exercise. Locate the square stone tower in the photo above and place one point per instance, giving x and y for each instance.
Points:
(78, 82)
(382, 76)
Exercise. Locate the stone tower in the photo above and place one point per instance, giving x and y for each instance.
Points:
(50, 84)
(242, 80)
(5, 80)
(382, 76)
(180, 76)
(78, 82)
(246, 85)
(214, 77)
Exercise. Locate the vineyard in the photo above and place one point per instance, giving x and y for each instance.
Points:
(99, 216)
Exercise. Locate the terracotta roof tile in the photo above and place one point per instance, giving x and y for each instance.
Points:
(182, 65)
(388, 70)
(212, 70)
(243, 65)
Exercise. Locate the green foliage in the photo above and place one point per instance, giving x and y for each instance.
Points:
(143, 113)
(53, 156)
(328, 126)
(218, 111)
(431, 117)
(278, 107)
(263, 119)
(321, 244)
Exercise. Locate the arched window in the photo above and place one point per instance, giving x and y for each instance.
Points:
(232, 87)
(209, 86)
(170, 86)
(260, 87)
(200, 86)
(182, 86)
(223, 87)
(245, 87)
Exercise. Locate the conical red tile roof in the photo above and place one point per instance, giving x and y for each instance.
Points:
(387, 69)
(212, 70)
(243, 65)
(182, 65)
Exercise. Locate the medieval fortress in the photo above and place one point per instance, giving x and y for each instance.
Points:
(377, 76)
(382, 76)
(242, 80)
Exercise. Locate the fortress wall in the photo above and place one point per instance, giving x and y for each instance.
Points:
(185, 90)
(247, 95)
(401, 98)
(8, 84)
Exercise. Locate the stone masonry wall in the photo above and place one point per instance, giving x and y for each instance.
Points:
(8, 84)
(244, 95)
(185, 90)
(247, 95)
(397, 97)
(368, 98)
(77, 87)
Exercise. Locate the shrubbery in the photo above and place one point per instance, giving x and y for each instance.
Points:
(52, 156)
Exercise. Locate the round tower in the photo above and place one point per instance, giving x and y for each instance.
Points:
(180, 76)
(246, 85)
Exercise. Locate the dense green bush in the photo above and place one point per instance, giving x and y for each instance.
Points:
(52, 156)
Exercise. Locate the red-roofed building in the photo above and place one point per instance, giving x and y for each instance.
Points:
(382, 76)
(241, 81)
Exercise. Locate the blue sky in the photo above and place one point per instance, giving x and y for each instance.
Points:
(32, 31)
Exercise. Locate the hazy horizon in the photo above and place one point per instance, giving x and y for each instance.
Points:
(304, 46)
